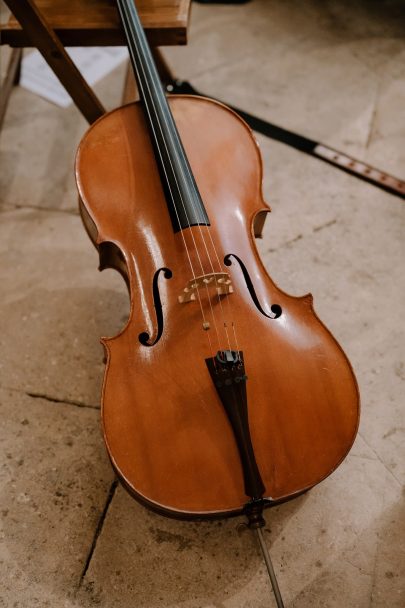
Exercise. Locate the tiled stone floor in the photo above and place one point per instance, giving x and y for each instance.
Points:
(69, 537)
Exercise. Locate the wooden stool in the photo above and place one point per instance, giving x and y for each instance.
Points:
(50, 25)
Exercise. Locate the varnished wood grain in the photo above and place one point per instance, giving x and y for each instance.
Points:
(96, 22)
(165, 429)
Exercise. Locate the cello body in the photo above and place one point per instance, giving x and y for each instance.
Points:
(166, 430)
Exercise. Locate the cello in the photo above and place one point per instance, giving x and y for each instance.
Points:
(222, 394)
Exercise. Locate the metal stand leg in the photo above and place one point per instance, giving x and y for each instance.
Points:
(254, 513)
(270, 569)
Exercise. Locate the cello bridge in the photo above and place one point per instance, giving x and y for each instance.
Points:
(220, 280)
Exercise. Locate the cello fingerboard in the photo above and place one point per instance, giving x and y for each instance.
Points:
(184, 201)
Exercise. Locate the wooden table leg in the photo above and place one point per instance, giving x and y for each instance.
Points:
(165, 73)
(130, 91)
(11, 77)
(53, 51)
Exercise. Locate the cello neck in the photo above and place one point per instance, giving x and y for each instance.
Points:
(184, 201)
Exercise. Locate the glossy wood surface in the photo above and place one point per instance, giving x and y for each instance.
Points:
(96, 22)
(165, 429)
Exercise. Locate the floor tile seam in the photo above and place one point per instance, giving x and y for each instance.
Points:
(45, 397)
(246, 55)
(359, 568)
(380, 68)
(253, 53)
(301, 236)
(381, 460)
(97, 532)
(373, 580)
(14, 206)
(370, 135)
(363, 457)
(235, 60)
(228, 63)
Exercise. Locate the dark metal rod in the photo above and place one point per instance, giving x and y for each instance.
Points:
(270, 569)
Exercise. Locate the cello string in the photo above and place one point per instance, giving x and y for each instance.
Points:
(270, 569)
(179, 153)
(213, 271)
(152, 101)
(227, 299)
(221, 269)
(140, 84)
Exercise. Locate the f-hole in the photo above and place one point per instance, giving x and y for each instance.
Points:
(144, 338)
(275, 308)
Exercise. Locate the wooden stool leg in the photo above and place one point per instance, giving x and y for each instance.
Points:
(165, 73)
(53, 51)
(130, 91)
(11, 77)
(17, 75)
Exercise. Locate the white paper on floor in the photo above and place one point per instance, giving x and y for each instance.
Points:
(93, 62)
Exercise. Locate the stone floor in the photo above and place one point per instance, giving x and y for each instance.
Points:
(69, 536)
